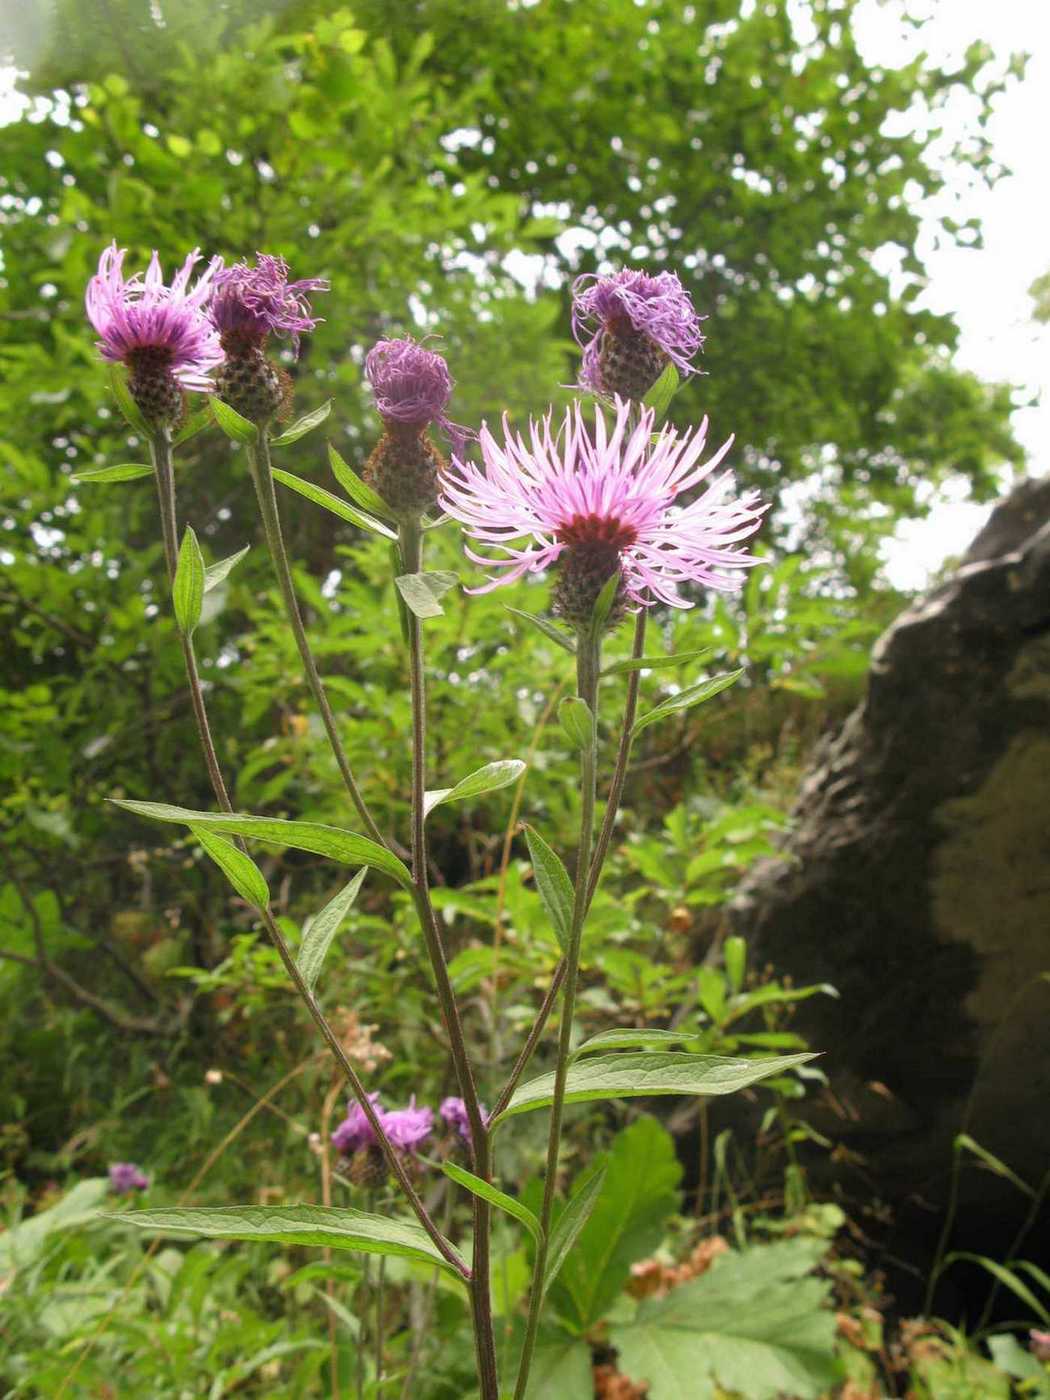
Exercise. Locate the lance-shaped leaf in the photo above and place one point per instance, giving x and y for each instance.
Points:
(603, 604)
(549, 630)
(331, 841)
(215, 573)
(303, 425)
(553, 885)
(571, 1221)
(356, 489)
(129, 409)
(488, 1192)
(325, 1226)
(663, 391)
(686, 699)
(422, 591)
(193, 425)
(236, 427)
(654, 663)
(241, 871)
(125, 471)
(343, 509)
(648, 1075)
(187, 594)
(488, 779)
(574, 715)
(319, 931)
(628, 1039)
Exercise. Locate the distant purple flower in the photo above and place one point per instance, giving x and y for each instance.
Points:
(140, 318)
(125, 1177)
(454, 1112)
(250, 303)
(658, 308)
(412, 386)
(355, 1131)
(408, 1127)
(1039, 1345)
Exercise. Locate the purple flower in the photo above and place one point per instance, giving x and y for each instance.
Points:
(628, 305)
(454, 1112)
(125, 1177)
(408, 1127)
(140, 319)
(412, 386)
(250, 303)
(608, 502)
(355, 1131)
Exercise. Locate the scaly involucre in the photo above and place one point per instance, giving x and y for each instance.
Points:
(657, 307)
(140, 313)
(584, 490)
(254, 302)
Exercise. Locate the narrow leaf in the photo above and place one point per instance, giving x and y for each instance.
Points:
(488, 779)
(330, 841)
(686, 699)
(343, 509)
(488, 1192)
(647, 1075)
(552, 633)
(654, 663)
(303, 425)
(422, 591)
(628, 1038)
(241, 871)
(187, 592)
(571, 1221)
(553, 884)
(663, 391)
(574, 715)
(215, 573)
(734, 954)
(126, 471)
(1006, 1277)
(325, 1226)
(319, 932)
(193, 425)
(357, 489)
(603, 604)
(231, 422)
(129, 408)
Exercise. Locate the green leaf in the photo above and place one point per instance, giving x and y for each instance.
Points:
(325, 1226)
(126, 471)
(625, 1039)
(231, 422)
(552, 633)
(574, 715)
(603, 604)
(553, 884)
(663, 391)
(734, 953)
(357, 489)
(571, 1221)
(193, 425)
(422, 591)
(343, 509)
(1010, 1356)
(241, 871)
(646, 1075)
(118, 384)
(330, 841)
(488, 1192)
(187, 592)
(490, 778)
(22, 1243)
(754, 1324)
(654, 663)
(1007, 1277)
(215, 573)
(303, 425)
(686, 699)
(319, 931)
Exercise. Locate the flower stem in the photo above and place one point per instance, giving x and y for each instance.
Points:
(262, 476)
(588, 665)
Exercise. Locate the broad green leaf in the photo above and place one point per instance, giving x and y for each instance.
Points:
(187, 594)
(574, 715)
(488, 779)
(754, 1325)
(241, 871)
(356, 489)
(325, 1226)
(330, 841)
(126, 471)
(625, 1039)
(215, 573)
(193, 425)
(303, 425)
(343, 509)
(663, 391)
(422, 591)
(686, 699)
(21, 1244)
(319, 931)
(130, 410)
(232, 423)
(654, 663)
(488, 1192)
(646, 1075)
(562, 1367)
(571, 1221)
(549, 630)
(553, 885)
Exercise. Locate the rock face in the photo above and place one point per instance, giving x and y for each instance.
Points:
(917, 878)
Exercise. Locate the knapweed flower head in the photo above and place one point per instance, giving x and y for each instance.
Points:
(599, 502)
(408, 1128)
(631, 325)
(250, 303)
(355, 1131)
(454, 1112)
(125, 1177)
(161, 333)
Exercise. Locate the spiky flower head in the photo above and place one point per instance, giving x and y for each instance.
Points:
(125, 1177)
(454, 1112)
(598, 503)
(250, 303)
(161, 333)
(631, 325)
(355, 1131)
(408, 1128)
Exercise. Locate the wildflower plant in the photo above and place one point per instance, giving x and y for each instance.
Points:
(626, 516)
